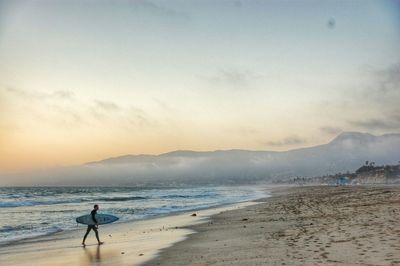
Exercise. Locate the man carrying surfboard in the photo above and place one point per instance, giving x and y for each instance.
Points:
(94, 226)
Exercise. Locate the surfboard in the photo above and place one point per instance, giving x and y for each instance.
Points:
(101, 219)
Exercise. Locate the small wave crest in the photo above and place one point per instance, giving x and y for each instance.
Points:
(33, 203)
(120, 198)
(9, 228)
(13, 204)
(173, 196)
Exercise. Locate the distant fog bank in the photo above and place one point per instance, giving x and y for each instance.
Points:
(346, 152)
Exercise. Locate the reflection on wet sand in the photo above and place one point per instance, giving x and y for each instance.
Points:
(95, 256)
(92, 257)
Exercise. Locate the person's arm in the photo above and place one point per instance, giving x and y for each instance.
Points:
(94, 217)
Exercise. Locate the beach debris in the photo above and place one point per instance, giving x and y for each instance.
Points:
(122, 253)
(193, 214)
(110, 235)
(245, 219)
(141, 254)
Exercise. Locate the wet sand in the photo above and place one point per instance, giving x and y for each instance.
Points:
(130, 243)
(299, 226)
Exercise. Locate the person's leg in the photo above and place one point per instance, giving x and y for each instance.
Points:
(97, 235)
(87, 232)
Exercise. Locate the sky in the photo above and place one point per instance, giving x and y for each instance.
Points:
(87, 80)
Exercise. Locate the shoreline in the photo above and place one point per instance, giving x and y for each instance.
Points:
(314, 225)
(126, 243)
(261, 193)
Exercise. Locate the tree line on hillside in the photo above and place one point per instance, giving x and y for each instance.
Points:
(368, 173)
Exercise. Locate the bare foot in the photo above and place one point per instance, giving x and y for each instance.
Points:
(83, 244)
(101, 243)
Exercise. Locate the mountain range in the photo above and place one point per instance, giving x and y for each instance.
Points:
(346, 152)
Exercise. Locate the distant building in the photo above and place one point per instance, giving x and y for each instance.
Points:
(343, 181)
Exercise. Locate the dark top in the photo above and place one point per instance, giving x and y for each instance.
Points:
(93, 214)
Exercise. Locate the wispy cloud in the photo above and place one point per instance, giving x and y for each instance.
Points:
(382, 84)
(388, 79)
(57, 108)
(107, 105)
(384, 123)
(233, 78)
(379, 96)
(288, 141)
(331, 130)
(65, 110)
(40, 95)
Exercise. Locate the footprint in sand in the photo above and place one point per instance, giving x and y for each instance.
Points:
(325, 255)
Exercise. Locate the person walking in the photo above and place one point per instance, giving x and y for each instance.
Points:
(93, 227)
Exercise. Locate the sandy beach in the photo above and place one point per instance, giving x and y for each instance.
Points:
(296, 226)
(299, 226)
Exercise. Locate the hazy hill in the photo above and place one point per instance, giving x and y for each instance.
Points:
(346, 152)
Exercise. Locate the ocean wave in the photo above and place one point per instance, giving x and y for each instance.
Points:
(34, 203)
(172, 196)
(9, 228)
(13, 204)
(119, 199)
(14, 236)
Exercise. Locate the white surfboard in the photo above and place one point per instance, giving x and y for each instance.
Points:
(101, 219)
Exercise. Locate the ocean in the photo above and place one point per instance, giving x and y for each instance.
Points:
(27, 212)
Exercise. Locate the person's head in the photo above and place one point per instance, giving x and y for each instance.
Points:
(96, 207)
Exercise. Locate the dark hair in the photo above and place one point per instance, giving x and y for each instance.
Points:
(95, 206)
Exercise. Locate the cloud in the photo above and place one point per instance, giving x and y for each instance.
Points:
(391, 123)
(39, 95)
(107, 105)
(383, 83)
(57, 108)
(331, 130)
(233, 78)
(379, 96)
(388, 79)
(291, 140)
(63, 94)
(126, 117)
(62, 109)
(138, 117)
